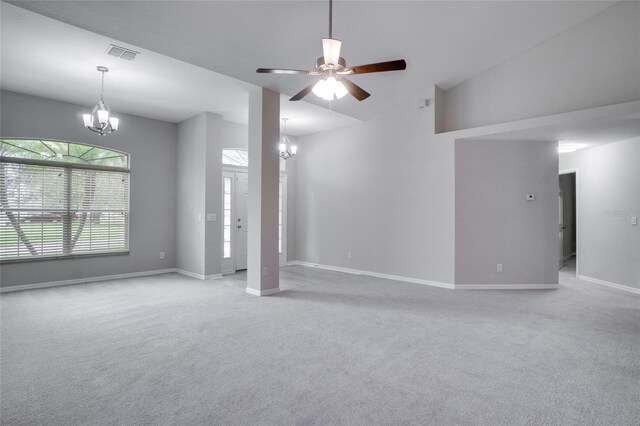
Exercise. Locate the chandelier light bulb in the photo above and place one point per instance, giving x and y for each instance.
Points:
(88, 120)
(103, 116)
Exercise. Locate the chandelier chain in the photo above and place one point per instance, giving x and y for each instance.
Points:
(102, 88)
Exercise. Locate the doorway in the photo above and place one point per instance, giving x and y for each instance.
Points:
(235, 219)
(567, 230)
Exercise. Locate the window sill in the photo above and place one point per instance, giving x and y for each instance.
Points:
(67, 257)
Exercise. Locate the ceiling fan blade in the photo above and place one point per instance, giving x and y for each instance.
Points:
(397, 65)
(356, 91)
(304, 92)
(281, 71)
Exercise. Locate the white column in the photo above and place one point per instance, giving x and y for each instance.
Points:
(264, 169)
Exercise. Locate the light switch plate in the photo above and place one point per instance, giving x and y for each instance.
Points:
(211, 217)
(634, 220)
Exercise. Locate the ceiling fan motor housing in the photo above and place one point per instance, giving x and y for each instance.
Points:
(321, 66)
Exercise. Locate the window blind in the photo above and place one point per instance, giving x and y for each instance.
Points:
(52, 211)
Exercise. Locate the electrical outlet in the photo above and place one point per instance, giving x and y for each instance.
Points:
(161, 255)
(499, 267)
(348, 255)
(265, 272)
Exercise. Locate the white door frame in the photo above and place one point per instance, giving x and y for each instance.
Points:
(577, 218)
(229, 264)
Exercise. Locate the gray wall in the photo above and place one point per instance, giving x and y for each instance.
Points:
(152, 145)
(568, 188)
(383, 190)
(292, 202)
(200, 143)
(190, 225)
(595, 63)
(213, 194)
(494, 222)
(608, 194)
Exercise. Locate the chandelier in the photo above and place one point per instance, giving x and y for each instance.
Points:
(286, 149)
(100, 120)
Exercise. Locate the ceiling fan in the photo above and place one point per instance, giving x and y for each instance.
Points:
(333, 69)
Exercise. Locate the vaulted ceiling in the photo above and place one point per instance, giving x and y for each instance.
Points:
(443, 43)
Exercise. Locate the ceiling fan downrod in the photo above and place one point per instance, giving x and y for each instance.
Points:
(330, 18)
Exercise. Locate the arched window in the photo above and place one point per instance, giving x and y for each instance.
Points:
(62, 199)
(235, 157)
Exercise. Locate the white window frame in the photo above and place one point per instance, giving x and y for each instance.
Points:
(67, 211)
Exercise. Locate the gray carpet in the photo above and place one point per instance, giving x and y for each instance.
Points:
(334, 349)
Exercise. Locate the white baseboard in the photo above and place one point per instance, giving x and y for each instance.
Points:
(374, 274)
(507, 286)
(84, 280)
(428, 282)
(262, 292)
(190, 274)
(198, 276)
(610, 284)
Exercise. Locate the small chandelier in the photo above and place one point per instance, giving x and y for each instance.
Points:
(286, 149)
(99, 121)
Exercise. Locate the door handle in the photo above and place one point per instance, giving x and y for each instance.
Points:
(239, 226)
(564, 227)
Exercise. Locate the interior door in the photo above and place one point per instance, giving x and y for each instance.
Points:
(242, 224)
(561, 229)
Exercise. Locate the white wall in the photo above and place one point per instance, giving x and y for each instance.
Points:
(608, 194)
(383, 190)
(152, 145)
(495, 224)
(595, 63)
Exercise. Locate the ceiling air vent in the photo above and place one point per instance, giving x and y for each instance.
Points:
(122, 52)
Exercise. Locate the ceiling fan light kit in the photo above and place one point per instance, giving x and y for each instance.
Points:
(333, 69)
